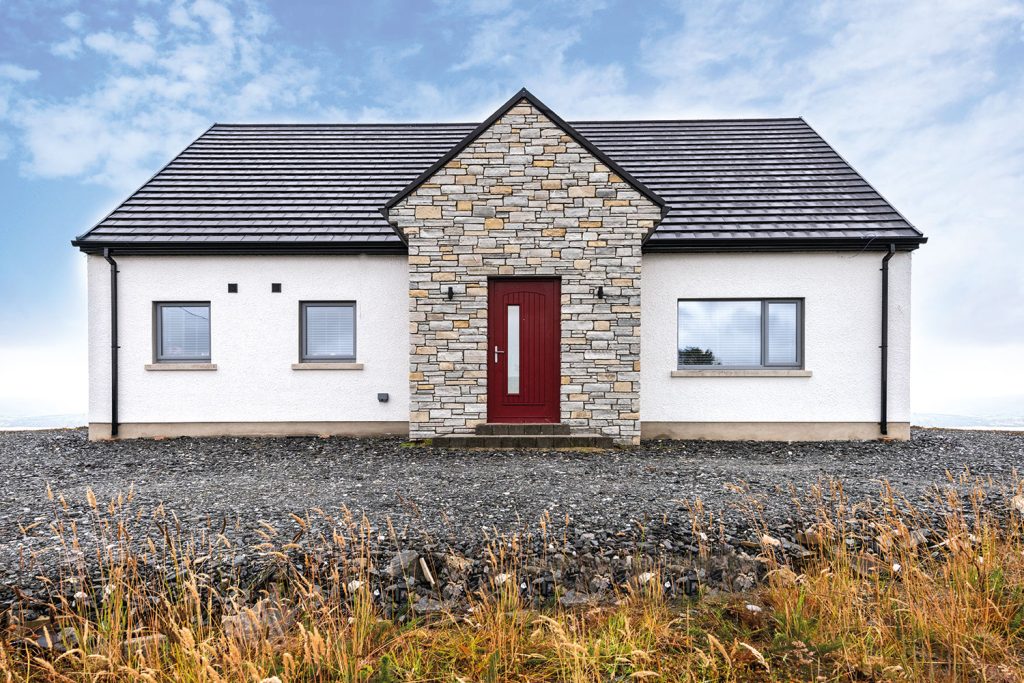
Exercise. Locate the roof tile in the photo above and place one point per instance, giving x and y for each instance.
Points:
(325, 183)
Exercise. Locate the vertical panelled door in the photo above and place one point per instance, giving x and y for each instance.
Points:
(524, 368)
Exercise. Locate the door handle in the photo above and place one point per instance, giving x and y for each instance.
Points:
(496, 352)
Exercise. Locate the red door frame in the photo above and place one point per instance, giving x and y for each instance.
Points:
(540, 302)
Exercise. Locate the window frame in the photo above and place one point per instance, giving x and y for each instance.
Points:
(158, 336)
(765, 365)
(303, 358)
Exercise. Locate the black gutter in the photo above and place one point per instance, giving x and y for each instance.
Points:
(776, 244)
(113, 342)
(884, 421)
(236, 248)
(763, 244)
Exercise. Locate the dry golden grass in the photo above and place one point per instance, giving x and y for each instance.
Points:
(897, 607)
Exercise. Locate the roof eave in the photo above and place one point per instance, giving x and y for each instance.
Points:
(769, 244)
(238, 248)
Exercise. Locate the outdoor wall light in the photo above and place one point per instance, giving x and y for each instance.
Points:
(600, 292)
(451, 293)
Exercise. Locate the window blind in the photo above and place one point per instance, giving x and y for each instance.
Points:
(330, 331)
(184, 332)
(720, 333)
(782, 333)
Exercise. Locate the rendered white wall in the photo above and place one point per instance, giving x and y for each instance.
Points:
(842, 313)
(254, 339)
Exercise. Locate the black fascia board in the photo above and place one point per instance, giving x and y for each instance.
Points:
(238, 248)
(767, 244)
(557, 120)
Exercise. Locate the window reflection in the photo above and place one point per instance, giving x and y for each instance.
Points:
(720, 333)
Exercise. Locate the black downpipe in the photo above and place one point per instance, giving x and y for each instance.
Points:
(884, 421)
(113, 342)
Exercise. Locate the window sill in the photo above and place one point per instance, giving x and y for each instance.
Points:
(753, 372)
(181, 366)
(327, 366)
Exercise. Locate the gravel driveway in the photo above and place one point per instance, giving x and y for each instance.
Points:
(456, 496)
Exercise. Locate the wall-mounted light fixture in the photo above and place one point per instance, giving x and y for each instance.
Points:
(600, 292)
(451, 293)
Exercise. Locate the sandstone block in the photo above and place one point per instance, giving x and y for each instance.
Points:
(428, 212)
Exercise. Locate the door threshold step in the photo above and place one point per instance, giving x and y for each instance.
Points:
(523, 441)
(516, 428)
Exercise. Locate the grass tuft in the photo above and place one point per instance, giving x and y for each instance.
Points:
(884, 592)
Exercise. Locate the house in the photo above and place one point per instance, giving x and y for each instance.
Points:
(723, 279)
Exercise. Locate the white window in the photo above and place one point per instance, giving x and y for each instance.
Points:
(327, 331)
(740, 333)
(182, 332)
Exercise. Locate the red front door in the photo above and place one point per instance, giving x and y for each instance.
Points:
(524, 368)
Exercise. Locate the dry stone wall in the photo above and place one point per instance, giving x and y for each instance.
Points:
(525, 199)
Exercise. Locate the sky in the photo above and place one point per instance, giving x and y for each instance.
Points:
(924, 98)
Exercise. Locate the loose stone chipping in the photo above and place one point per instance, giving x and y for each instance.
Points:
(525, 199)
(625, 513)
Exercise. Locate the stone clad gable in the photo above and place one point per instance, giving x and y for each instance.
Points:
(525, 199)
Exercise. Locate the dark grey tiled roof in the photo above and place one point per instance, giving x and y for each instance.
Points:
(740, 180)
(729, 183)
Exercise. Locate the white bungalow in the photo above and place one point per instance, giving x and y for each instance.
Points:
(584, 283)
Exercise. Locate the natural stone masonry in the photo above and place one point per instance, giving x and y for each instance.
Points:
(525, 199)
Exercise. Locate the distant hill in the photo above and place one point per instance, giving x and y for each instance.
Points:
(43, 421)
(966, 421)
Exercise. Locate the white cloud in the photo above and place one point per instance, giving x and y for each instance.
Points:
(179, 17)
(146, 29)
(165, 82)
(134, 53)
(511, 40)
(74, 21)
(18, 74)
(485, 7)
(11, 76)
(69, 48)
(217, 17)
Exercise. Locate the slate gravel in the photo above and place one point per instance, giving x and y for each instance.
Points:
(457, 499)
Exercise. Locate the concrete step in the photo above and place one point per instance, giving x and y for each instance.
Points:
(516, 428)
(522, 441)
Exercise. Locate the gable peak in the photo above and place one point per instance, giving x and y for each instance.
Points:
(535, 102)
